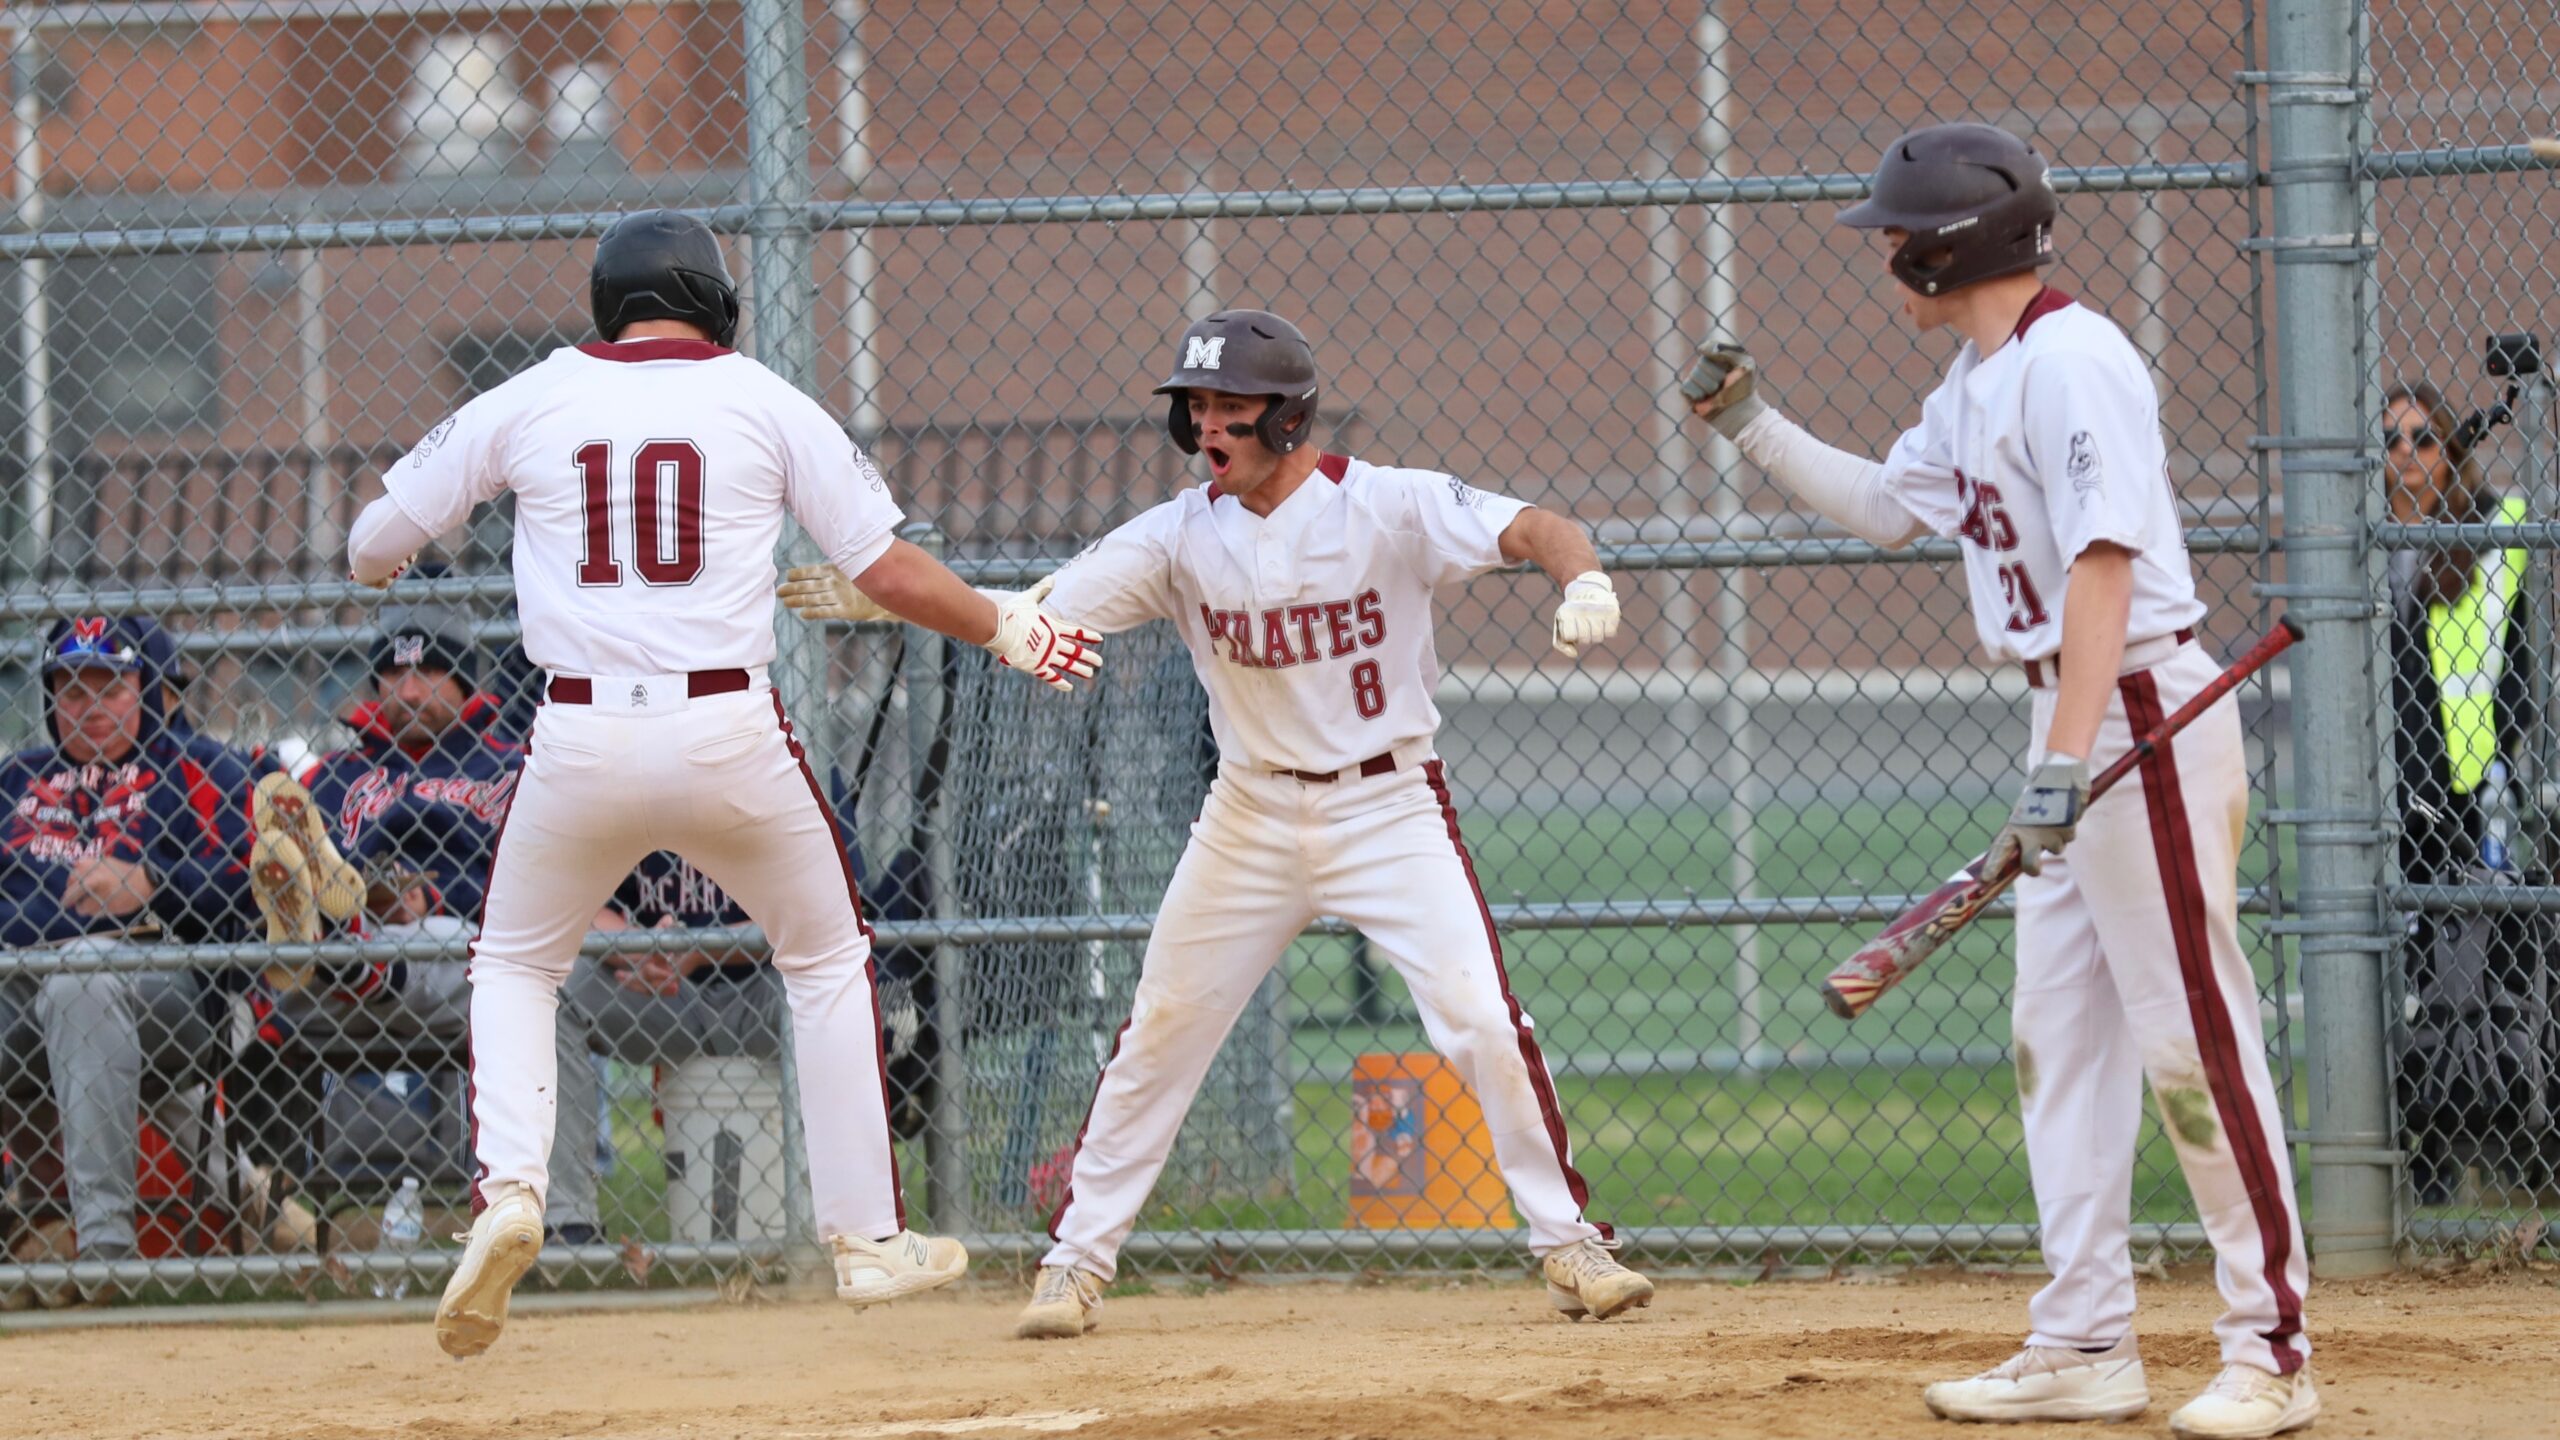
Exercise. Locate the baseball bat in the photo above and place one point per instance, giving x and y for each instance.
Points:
(1915, 935)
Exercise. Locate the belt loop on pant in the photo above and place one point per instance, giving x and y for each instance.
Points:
(580, 690)
(2036, 671)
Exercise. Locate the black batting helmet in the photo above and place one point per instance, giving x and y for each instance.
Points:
(1974, 196)
(662, 265)
(1246, 352)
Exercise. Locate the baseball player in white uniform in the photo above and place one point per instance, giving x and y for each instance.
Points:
(1302, 584)
(2042, 452)
(652, 471)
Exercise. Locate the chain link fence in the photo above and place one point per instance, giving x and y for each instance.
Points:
(2463, 305)
(259, 247)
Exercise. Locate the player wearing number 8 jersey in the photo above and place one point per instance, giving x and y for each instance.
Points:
(1302, 583)
(652, 470)
(2041, 452)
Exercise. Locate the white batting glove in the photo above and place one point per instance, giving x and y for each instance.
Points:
(1040, 644)
(1589, 613)
(821, 592)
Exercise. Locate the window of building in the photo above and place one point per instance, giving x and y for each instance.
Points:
(132, 342)
(463, 109)
(578, 117)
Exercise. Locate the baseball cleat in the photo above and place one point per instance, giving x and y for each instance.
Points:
(1065, 1303)
(281, 884)
(2049, 1382)
(503, 1244)
(2247, 1403)
(281, 808)
(1583, 1278)
(871, 1271)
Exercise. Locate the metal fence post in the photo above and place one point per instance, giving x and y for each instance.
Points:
(946, 1136)
(34, 337)
(776, 41)
(2323, 254)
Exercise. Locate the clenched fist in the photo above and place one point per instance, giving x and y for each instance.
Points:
(1721, 387)
(1589, 613)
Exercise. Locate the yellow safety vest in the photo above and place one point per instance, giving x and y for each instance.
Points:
(2467, 648)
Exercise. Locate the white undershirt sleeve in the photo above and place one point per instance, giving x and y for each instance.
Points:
(1847, 490)
(382, 541)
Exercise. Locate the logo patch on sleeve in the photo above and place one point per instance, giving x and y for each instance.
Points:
(427, 447)
(2084, 468)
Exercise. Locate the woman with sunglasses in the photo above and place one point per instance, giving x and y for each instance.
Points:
(2457, 639)
(2460, 698)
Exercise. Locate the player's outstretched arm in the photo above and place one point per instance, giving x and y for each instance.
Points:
(1722, 388)
(913, 586)
(1589, 613)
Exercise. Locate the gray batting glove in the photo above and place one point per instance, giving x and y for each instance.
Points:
(821, 592)
(2042, 821)
(1722, 387)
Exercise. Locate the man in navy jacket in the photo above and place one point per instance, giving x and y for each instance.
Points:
(128, 824)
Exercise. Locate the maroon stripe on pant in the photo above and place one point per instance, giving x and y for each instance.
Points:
(1539, 1081)
(1067, 1197)
(870, 958)
(479, 927)
(2217, 1040)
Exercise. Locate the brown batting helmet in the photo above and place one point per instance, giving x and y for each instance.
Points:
(1975, 199)
(1246, 352)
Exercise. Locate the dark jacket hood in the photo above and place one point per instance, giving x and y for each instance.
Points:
(132, 643)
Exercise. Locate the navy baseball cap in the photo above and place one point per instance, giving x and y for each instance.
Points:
(91, 642)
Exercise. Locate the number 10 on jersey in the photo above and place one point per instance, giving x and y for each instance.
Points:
(665, 510)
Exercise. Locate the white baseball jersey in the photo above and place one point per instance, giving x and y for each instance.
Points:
(1312, 626)
(2031, 456)
(651, 477)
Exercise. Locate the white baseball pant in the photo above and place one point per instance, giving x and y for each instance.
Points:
(722, 783)
(2129, 964)
(1268, 854)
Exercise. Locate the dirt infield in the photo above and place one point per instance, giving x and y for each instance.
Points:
(1399, 1362)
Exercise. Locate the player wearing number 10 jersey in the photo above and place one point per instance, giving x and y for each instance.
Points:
(652, 470)
(1302, 584)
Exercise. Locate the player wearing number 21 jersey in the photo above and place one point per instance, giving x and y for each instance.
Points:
(1302, 583)
(2041, 453)
(652, 470)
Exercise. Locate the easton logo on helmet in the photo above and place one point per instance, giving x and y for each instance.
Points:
(1200, 352)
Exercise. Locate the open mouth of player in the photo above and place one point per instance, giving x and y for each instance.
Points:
(1220, 458)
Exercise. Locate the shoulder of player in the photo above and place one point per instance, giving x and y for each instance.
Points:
(2075, 332)
(1395, 495)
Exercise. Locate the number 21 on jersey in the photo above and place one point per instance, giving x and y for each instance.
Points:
(1987, 524)
(665, 510)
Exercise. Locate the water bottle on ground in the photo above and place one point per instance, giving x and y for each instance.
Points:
(2497, 832)
(404, 1226)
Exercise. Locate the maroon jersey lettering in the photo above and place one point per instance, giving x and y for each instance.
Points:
(1275, 640)
(1373, 618)
(1304, 617)
(1337, 627)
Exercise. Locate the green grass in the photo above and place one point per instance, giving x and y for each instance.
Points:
(1787, 1147)
(1853, 1143)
